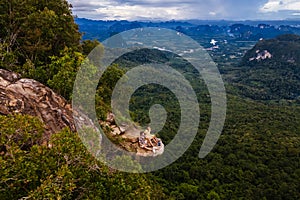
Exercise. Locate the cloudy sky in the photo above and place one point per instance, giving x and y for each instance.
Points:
(186, 9)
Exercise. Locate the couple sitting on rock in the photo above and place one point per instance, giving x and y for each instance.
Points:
(149, 141)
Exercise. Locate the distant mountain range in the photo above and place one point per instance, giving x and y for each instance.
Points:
(242, 30)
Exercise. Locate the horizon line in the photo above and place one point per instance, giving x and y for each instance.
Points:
(187, 20)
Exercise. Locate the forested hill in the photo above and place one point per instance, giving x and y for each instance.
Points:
(284, 49)
(271, 70)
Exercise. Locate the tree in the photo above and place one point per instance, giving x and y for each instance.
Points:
(62, 72)
(32, 31)
(213, 195)
(105, 89)
(89, 45)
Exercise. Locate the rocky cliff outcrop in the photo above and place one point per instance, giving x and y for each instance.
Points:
(27, 96)
(133, 138)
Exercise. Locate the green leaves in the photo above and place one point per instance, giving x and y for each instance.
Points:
(62, 72)
(33, 31)
(105, 88)
(23, 131)
(62, 170)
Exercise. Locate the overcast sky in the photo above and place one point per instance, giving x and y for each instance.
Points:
(186, 9)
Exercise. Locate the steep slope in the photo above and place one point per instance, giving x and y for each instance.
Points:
(271, 70)
(29, 97)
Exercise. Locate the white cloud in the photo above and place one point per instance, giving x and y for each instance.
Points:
(147, 9)
(213, 13)
(280, 5)
(132, 12)
(184, 9)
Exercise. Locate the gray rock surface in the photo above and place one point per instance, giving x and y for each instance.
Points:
(27, 96)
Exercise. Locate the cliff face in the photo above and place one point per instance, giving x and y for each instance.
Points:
(27, 96)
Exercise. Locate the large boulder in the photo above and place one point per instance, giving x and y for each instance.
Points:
(27, 96)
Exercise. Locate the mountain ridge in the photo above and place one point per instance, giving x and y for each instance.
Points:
(271, 70)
